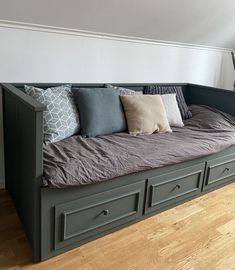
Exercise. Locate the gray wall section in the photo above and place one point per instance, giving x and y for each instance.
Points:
(2, 181)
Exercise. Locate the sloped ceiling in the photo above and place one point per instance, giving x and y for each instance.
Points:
(202, 22)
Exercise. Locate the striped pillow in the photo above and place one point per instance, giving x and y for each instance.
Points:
(162, 90)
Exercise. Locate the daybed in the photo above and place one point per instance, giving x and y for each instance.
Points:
(58, 219)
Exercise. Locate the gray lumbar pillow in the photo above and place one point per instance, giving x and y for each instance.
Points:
(163, 90)
(100, 111)
(172, 110)
(60, 120)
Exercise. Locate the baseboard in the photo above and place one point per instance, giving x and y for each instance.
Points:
(2, 185)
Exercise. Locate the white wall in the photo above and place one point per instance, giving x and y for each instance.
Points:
(33, 56)
(40, 56)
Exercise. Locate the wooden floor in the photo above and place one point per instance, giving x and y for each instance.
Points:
(199, 234)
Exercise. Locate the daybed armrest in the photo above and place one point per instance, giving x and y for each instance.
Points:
(220, 99)
(23, 143)
(21, 96)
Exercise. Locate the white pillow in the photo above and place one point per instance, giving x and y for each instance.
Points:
(172, 110)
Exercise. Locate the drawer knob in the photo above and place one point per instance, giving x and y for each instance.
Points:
(106, 212)
(178, 186)
(226, 169)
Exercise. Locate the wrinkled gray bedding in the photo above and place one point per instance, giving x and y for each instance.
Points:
(81, 161)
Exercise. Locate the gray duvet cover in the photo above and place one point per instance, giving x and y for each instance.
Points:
(81, 161)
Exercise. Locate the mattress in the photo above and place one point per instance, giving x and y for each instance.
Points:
(81, 161)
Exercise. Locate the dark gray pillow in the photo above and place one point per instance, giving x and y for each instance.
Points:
(162, 90)
(100, 111)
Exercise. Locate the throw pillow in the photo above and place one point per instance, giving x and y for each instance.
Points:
(60, 120)
(145, 114)
(161, 90)
(100, 111)
(121, 90)
(172, 110)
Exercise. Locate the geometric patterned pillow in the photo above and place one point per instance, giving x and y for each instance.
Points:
(60, 119)
(122, 91)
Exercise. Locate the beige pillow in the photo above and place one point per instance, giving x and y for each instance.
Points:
(145, 114)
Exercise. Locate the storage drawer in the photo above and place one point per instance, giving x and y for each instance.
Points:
(168, 189)
(88, 216)
(219, 171)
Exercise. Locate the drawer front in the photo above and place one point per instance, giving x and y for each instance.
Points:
(88, 216)
(220, 170)
(170, 188)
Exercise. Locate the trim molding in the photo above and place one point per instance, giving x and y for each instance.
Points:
(100, 35)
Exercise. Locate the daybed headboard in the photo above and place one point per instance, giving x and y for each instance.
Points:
(133, 86)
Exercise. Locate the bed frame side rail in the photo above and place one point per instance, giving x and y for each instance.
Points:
(220, 99)
(23, 140)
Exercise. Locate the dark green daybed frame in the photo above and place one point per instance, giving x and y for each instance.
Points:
(56, 220)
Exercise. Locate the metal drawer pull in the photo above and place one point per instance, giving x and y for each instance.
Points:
(178, 186)
(226, 170)
(106, 212)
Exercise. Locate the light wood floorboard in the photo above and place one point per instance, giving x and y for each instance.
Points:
(197, 235)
